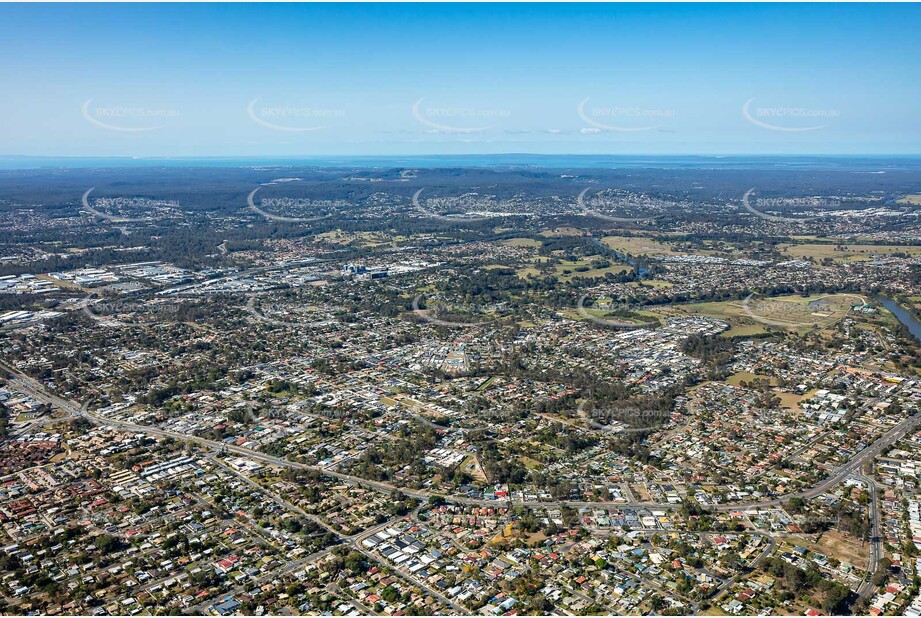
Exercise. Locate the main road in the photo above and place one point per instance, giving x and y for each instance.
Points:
(39, 392)
(867, 588)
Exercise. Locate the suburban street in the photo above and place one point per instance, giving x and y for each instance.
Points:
(839, 476)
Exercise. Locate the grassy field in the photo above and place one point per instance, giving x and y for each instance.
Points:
(524, 273)
(647, 245)
(841, 546)
(573, 313)
(744, 376)
(521, 242)
(529, 463)
(805, 238)
(637, 245)
(641, 493)
(563, 231)
(744, 330)
(914, 200)
(361, 239)
(471, 466)
(567, 271)
(791, 400)
(850, 253)
(486, 384)
(787, 400)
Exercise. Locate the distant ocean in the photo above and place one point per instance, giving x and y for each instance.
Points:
(875, 163)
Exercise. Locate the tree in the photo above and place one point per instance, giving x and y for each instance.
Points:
(390, 594)
(882, 571)
(354, 562)
(107, 543)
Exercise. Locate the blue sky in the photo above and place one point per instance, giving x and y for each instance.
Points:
(261, 80)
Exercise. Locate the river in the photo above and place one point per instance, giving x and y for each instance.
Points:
(903, 315)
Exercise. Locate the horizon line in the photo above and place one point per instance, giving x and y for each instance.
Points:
(475, 154)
